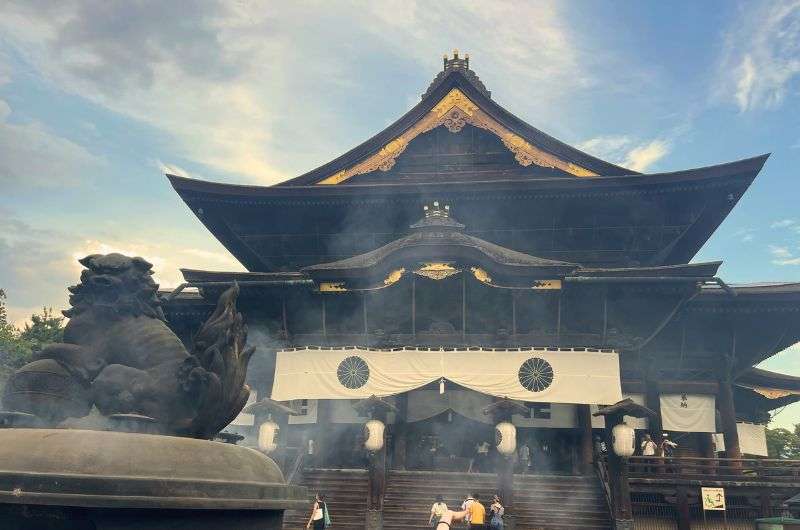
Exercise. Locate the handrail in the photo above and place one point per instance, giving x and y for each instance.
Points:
(710, 469)
(602, 473)
(296, 466)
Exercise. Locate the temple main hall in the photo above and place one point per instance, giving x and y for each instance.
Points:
(450, 306)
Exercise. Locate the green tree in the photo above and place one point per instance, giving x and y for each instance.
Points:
(783, 443)
(44, 328)
(18, 346)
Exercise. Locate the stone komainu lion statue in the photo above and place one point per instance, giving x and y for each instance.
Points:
(119, 355)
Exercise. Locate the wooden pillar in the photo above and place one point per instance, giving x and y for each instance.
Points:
(765, 497)
(652, 400)
(682, 508)
(727, 412)
(463, 306)
(414, 306)
(401, 432)
(706, 446)
(321, 430)
(585, 433)
(622, 513)
(376, 480)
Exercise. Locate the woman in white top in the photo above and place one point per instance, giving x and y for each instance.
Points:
(317, 513)
(437, 511)
(648, 446)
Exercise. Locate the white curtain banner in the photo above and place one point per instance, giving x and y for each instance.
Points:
(752, 439)
(541, 375)
(688, 412)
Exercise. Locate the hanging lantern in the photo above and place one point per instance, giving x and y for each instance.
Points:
(623, 439)
(505, 435)
(373, 435)
(266, 436)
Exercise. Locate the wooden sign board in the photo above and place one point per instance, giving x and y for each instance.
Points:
(713, 498)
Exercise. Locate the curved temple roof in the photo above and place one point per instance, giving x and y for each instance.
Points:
(457, 98)
(460, 146)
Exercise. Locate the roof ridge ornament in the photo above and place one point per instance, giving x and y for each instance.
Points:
(435, 210)
(437, 217)
(457, 64)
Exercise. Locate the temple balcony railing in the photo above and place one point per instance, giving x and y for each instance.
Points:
(754, 487)
(714, 471)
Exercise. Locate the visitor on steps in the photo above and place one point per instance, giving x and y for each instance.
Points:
(320, 517)
(437, 511)
(496, 510)
(466, 504)
(449, 518)
(477, 514)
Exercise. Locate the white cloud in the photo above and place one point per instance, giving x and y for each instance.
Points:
(783, 223)
(783, 256)
(37, 265)
(612, 147)
(33, 156)
(5, 69)
(625, 151)
(644, 156)
(761, 59)
(172, 169)
(257, 89)
(779, 252)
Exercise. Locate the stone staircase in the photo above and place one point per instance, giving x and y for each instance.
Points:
(345, 492)
(542, 502)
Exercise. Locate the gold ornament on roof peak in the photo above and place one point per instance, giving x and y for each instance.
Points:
(454, 111)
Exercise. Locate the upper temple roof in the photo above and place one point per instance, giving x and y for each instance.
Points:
(513, 185)
(457, 132)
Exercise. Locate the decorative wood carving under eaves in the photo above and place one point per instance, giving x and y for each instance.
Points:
(454, 111)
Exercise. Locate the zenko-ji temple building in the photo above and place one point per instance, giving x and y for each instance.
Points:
(461, 271)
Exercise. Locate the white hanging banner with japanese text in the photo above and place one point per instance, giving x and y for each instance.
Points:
(542, 375)
(688, 412)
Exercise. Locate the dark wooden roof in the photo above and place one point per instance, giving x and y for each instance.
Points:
(466, 82)
(764, 378)
(686, 206)
(752, 324)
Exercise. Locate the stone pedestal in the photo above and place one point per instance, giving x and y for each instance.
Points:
(75, 479)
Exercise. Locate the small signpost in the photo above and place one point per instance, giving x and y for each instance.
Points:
(713, 499)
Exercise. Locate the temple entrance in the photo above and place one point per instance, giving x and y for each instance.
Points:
(449, 442)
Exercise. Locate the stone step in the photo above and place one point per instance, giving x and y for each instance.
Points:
(549, 502)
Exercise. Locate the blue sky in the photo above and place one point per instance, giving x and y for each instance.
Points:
(97, 98)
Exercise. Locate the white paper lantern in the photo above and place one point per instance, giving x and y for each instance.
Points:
(373, 434)
(266, 436)
(623, 439)
(505, 434)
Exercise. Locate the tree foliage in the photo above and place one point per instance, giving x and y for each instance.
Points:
(17, 346)
(783, 443)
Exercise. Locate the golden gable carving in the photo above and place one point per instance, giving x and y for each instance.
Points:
(454, 111)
